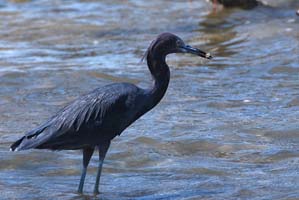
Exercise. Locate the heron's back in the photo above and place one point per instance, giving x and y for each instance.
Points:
(90, 120)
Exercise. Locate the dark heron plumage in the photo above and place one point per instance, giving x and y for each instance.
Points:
(93, 120)
(245, 4)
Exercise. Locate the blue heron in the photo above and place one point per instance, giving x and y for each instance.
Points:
(93, 120)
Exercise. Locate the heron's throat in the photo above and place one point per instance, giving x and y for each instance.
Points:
(161, 75)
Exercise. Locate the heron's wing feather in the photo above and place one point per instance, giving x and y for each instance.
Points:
(87, 109)
(91, 108)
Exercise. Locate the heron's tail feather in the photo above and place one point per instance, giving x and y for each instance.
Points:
(14, 146)
(27, 142)
(31, 140)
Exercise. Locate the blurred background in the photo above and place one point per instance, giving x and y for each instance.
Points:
(226, 129)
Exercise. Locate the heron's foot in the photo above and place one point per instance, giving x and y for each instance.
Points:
(80, 187)
(96, 191)
(80, 191)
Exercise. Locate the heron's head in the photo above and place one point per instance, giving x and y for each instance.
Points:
(167, 43)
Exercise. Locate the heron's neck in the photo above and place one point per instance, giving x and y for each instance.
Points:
(161, 75)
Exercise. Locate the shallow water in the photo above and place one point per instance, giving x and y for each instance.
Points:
(226, 129)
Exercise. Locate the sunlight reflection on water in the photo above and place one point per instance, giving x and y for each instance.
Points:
(226, 129)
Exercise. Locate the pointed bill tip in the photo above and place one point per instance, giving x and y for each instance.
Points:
(195, 51)
(209, 56)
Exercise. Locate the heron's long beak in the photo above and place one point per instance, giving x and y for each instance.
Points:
(198, 52)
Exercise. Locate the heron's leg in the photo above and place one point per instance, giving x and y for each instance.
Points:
(87, 153)
(102, 153)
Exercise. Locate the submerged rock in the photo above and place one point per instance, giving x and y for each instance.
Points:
(245, 4)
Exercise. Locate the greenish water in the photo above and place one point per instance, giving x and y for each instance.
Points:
(226, 129)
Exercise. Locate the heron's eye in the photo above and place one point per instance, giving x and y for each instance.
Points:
(179, 43)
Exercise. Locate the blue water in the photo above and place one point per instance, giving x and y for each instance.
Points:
(226, 129)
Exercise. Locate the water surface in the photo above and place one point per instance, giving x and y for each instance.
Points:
(226, 129)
